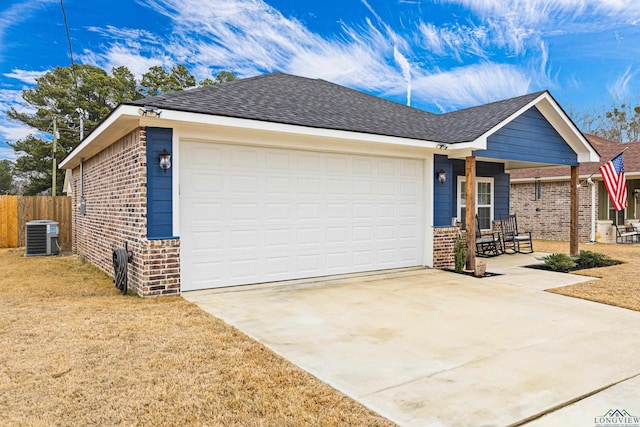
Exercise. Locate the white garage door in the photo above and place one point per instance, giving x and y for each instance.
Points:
(252, 215)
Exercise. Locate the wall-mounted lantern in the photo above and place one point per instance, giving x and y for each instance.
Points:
(165, 160)
(442, 176)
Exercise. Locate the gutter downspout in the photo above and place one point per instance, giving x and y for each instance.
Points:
(593, 212)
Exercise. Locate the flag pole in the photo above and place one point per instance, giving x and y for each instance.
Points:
(598, 170)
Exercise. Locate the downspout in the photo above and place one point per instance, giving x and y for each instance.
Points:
(593, 211)
(82, 207)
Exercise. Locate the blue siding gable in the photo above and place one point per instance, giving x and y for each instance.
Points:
(159, 185)
(531, 138)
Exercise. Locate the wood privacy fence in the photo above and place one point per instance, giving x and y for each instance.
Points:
(16, 211)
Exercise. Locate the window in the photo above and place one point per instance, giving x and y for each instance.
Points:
(616, 217)
(484, 202)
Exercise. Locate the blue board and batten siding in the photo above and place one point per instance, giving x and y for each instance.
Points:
(442, 193)
(159, 185)
(530, 138)
(445, 205)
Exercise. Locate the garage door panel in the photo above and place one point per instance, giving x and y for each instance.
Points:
(279, 211)
(278, 185)
(278, 266)
(309, 236)
(203, 184)
(275, 238)
(278, 160)
(244, 157)
(310, 264)
(244, 211)
(205, 213)
(249, 184)
(337, 187)
(266, 214)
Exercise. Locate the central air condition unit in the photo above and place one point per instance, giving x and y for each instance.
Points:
(41, 238)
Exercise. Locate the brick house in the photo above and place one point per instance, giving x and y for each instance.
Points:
(540, 196)
(280, 177)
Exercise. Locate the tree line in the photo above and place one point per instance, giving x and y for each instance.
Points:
(67, 93)
(80, 89)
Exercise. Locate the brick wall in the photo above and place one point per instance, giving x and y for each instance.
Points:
(549, 217)
(116, 206)
(443, 246)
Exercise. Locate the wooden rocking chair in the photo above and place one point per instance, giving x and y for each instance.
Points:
(488, 244)
(512, 239)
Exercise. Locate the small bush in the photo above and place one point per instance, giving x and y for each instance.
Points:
(588, 259)
(460, 253)
(559, 262)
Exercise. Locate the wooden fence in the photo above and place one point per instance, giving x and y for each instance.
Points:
(16, 211)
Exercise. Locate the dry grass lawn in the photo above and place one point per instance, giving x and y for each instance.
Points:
(73, 351)
(618, 285)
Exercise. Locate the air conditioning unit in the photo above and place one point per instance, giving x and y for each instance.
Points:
(42, 238)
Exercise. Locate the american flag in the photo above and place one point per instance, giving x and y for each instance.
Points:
(613, 176)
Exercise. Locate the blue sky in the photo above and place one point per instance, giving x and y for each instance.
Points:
(437, 55)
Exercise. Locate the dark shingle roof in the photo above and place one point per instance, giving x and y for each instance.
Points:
(468, 124)
(288, 99)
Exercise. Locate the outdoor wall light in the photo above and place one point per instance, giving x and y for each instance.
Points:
(442, 146)
(165, 160)
(442, 176)
(149, 111)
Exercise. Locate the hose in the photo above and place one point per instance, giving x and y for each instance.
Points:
(120, 258)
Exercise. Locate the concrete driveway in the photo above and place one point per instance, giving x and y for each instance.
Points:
(426, 347)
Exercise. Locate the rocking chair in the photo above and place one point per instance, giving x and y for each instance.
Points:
(488, 244)
(512, 239)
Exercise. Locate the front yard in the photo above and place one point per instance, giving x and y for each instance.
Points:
(75, 352)
(618, 285)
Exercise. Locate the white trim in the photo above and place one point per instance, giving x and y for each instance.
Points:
(429, 178)
(479, 179)
(175, 166)
(552, 179)
(125, 118)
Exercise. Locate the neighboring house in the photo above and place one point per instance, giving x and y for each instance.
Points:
(540, 196)
(280, 177)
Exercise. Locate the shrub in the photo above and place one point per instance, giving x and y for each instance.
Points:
(460, 253)
(588, 259)
(559, 262)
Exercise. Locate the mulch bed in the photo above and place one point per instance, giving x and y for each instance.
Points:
(471, 274)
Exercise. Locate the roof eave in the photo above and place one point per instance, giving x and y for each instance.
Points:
(126, 118)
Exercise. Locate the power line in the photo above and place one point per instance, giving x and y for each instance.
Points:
(73, 64)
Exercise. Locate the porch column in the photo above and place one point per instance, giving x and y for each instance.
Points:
(573, 233)
(470, 218)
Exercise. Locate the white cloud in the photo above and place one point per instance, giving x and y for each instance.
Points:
(473, 85)
(250, 37)
(25, 76)
(454, 40)
(7, 152)
(20, 12)
(137, 60)
(619, 90)
(406, 71)
(11, 130)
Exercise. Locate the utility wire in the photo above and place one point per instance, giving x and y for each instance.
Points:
(73, 64)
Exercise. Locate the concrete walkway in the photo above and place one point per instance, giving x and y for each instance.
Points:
(429, 348)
